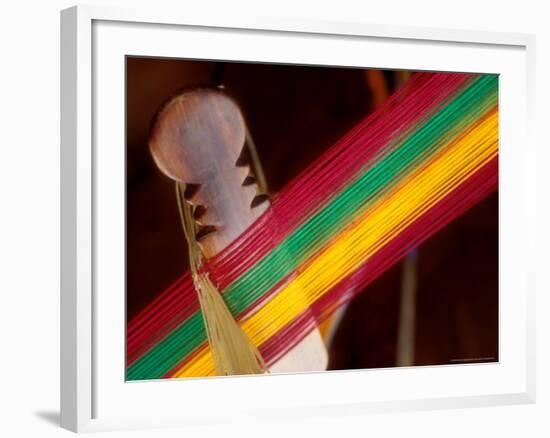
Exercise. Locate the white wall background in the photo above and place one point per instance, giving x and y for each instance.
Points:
(29, 217)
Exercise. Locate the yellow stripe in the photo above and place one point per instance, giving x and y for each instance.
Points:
(379, 225)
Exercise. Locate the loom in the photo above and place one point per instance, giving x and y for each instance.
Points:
(426, 156)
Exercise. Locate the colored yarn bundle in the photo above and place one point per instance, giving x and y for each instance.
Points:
(426, 156)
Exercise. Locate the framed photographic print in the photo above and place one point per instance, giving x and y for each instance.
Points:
(265, 217)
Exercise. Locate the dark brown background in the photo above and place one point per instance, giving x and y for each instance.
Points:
(294, 113)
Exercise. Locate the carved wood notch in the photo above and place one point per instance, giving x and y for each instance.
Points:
(198, 139)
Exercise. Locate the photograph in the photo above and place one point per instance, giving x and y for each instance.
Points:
(286, 218)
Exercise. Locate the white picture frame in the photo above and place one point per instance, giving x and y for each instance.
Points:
(94, 41)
